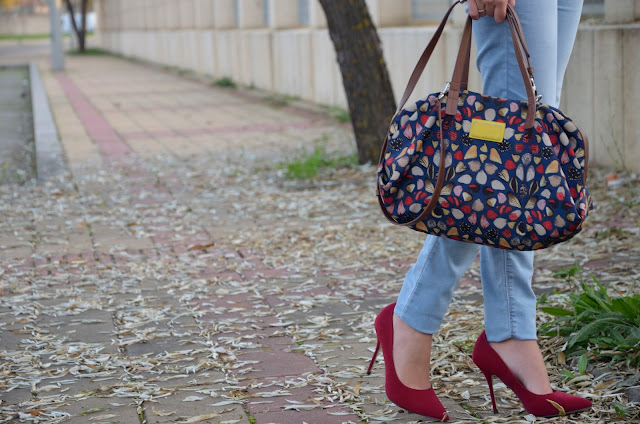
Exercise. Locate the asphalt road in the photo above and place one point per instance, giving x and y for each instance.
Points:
(23, 52)
(16, 126)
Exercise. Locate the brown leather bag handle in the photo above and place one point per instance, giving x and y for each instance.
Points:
(517, 36)
(413, 80)
(424, 58)
(458, 81)
(417, 72)
(465, 77)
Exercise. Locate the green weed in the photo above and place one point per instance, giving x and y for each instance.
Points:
(339, 114)
(595, 324)
(251, 418)
(93, 411)
(582, 364)
(279, 100)
(620, 409)
(465, 346)
(11, 37)
(470, 411)
(611, 232)
(308, 165)
(225, 82)
(88, 52)
(567, 274)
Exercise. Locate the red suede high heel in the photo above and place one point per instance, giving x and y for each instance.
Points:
(490, 363)
(423, 402)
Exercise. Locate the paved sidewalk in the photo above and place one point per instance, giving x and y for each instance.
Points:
(175, 276)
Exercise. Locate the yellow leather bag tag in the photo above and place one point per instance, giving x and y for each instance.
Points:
(487, 130)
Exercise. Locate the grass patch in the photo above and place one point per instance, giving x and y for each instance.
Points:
(595, 324)
(26, 37)
(12, 37)
(88, 52)
(611, 232)
(339, 114)
(620, 409)
(224, 82)
(279, 100)
(465, 346)
(470, 411)
(251, 418)
(308, 165)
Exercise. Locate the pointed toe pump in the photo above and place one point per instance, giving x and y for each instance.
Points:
(490, 363)
(423, 402)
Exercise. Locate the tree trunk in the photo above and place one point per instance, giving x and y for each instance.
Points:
(80, 33)
(364, 73)
(83, 34)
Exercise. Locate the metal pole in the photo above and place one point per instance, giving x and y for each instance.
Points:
(57, 56)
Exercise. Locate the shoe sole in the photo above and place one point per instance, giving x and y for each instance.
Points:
(568, 413)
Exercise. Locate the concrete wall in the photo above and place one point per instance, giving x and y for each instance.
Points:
(18, 24)
(600, 92)
(208, 37)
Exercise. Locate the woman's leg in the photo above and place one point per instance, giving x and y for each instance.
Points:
(423, 301)
(510, 314)
(429, 285)
(510, 304)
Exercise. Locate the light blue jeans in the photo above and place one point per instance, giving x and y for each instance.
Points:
(550, 28)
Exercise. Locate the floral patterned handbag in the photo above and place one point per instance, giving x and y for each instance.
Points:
(502, 173)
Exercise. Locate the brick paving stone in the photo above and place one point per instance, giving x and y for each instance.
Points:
(469, 282)
(10, 241)
(10, 340)
(100, 410)
(237, 324)
(346, 355)
(173, 379)
(277, 358)
(156, 346)
(15, 252)
(263, 273)
(235, 304)
(275, 412)
(174, 408)
(16, 396)
(93, 326)
(84, 387)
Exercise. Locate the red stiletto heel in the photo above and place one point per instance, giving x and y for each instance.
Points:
(489, 378)
(375, 354)
(423, 402)
(490, 363)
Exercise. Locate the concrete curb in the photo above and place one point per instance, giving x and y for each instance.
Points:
(49, 154)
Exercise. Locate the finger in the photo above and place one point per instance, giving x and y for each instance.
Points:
(490, 9)
(473, 10)
(500, 13)
(512, 3)
(489, 6)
